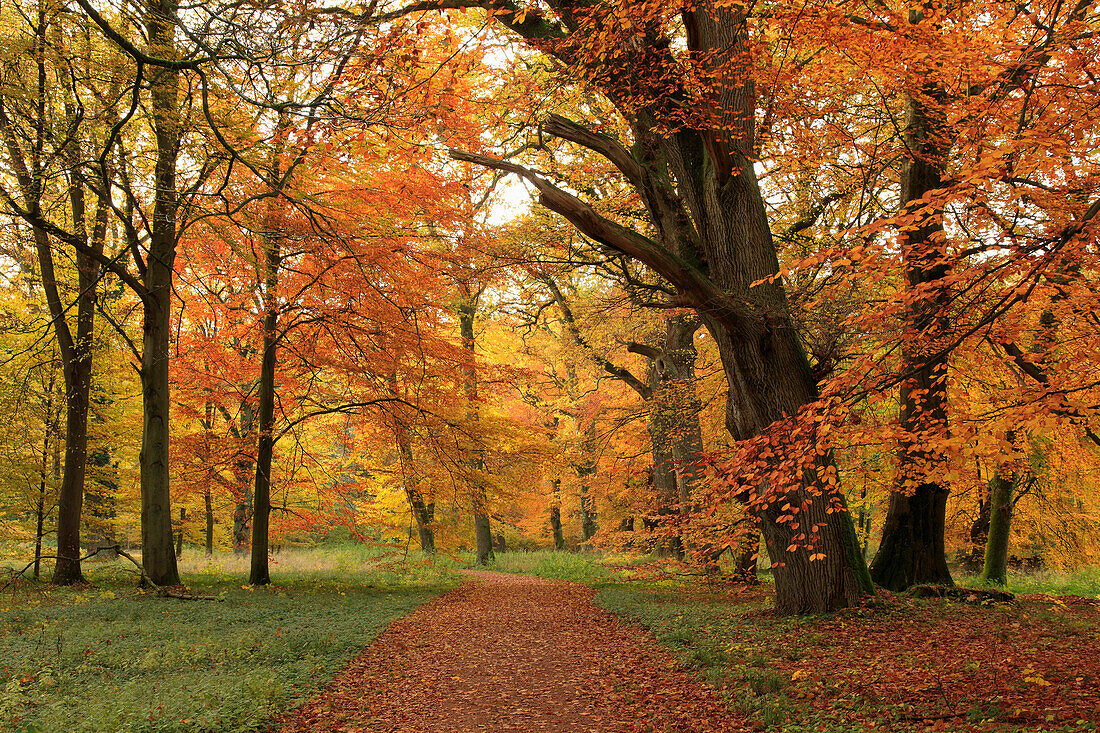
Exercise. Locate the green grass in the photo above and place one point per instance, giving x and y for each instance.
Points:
(1083, 582)
(591, 568)
(718, 637)
(110, 658)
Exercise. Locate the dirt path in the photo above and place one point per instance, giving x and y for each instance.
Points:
(514, 653)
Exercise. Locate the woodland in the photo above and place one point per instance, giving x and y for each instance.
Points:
(793, 293)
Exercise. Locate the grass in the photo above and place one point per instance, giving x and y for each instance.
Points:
(108, 657)
(899, 664)
(1084, 582)
(591, 568)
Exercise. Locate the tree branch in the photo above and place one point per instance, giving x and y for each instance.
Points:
(605, 145)
(697, 288)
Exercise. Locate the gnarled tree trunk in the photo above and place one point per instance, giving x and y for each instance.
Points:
(713, 243)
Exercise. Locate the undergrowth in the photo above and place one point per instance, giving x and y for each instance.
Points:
(108, 657)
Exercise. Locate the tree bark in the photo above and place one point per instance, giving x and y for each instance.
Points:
(261, 493)
(995, 569)
(912, 547)
(589, 527)
(422, 510)
(157, 554)
(467, 312)
(208, 501)
(555, 516)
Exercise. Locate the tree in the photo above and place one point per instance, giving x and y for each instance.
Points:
(73, 214)
(691, 120)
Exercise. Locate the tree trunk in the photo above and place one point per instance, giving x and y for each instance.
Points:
(555, 516)
(1002, 487)
(261, 494)
(78, 376)
(467, 312)
(589, 527)
(912, 548)
(208, 500)
(158, 556)
(995, 569)
(423, 512)
(179, 533)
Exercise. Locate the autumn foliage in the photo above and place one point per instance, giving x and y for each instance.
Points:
(662, 277)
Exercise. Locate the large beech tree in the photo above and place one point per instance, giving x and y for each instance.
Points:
(690, 158)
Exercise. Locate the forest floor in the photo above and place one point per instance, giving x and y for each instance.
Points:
(512, 654)
(631, 644)
(899, 664)
(108, 657)
(517, 653)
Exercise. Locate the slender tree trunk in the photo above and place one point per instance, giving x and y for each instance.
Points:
(158, 555)
(589, 527)
(71, 497)
(423, 511)
(555, 516)
(179, 533)
(208, 500)
(483, 533)
(995, 569)
(261, 494)
(1002, 487)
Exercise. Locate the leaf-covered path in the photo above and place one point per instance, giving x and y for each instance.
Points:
(514, 653)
